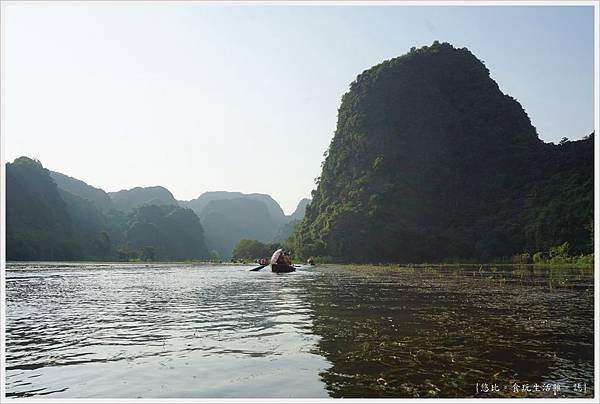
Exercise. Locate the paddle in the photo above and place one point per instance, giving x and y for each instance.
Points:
(258, 268)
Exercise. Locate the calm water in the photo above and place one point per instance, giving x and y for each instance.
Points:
(174, 330)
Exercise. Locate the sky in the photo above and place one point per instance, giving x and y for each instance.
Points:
(198, 97)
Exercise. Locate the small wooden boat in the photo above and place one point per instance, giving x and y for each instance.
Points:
(282, 268)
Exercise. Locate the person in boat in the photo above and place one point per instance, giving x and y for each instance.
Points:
(287, 259)
(276, 256)
(280, 257)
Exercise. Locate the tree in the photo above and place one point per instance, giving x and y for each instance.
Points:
(253, 249)
(126, 253)
(148, 253)
(103, 245)
(214, 256)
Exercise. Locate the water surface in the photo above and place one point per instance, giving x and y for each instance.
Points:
(178, 330)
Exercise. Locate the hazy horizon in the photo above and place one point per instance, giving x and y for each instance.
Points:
(199, 98)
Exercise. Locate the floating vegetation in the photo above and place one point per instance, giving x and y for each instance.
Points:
(438, 331)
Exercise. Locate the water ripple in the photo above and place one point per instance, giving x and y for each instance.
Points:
(172, 330)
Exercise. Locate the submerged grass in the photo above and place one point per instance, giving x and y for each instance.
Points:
(480, 267)
(439, 330)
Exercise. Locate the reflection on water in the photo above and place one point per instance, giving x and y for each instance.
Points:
(167, 330)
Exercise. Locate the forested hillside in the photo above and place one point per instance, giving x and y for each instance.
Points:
(95, 195)
(129, 199)
(52, 216)
(229, 220)
(229, 217)
(430, 161)
(74, 221)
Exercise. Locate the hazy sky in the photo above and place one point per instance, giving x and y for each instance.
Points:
(244, 98)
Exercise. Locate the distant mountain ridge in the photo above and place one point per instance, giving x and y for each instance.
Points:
(75, 221)
(129, 199)
(300, 209)
(274, 209)
(257, 217)
(77, 187)
(53, 216)
(229, 220)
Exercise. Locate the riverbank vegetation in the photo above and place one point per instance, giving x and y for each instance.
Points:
(560, 255)
(253, 250)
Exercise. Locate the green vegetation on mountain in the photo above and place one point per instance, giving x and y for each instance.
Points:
(229, 220)
(273, 208)
(83, 190)
(45, 223)
(430, 161)
(286, 231)
(49, 222)
(559, 205)
(300, 210)
(229, 217)
(51, 216)
(172, 233)
(129, 199)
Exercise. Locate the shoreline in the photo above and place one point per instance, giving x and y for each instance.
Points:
(347, 265)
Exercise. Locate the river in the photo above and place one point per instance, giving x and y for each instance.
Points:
(113, 330)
